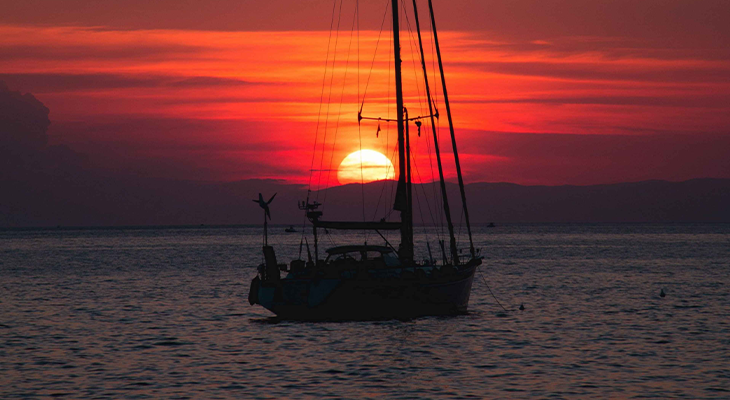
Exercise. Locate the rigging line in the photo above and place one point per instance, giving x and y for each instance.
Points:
(445, 202)
(433, 186)
(329, 100)
(420, 212)
(418, 200)
(359, 127)
(411, 41)
(329, 236)
(438, 127)
(442, 213)
(339, 112)
(372, 64)
(319, 117)
(388, 210)
(428, 204)
(490, 289)
(433, 68)
(433, 179)
(382, 189)
(461, 223)
(391, 200)
(321, 98)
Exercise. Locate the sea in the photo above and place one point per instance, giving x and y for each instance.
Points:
(162, 312)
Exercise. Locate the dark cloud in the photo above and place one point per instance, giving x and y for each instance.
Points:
(52, 82)
(677, 23)
(23, 121)
(180, 148)
(684, 101)
(198, 81)
(606, 71)
(530, 158)
(610, 48)
(53, 185)
(101, 51)
(24, 149)
(236, 99)
(46, 185)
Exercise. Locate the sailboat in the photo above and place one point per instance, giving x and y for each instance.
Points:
(374, 282)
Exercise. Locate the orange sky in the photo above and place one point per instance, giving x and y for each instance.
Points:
(614, 93)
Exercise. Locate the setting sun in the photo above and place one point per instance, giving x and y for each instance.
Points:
(375, 167)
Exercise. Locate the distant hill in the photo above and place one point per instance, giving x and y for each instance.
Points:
(696, 200)
(67, 201)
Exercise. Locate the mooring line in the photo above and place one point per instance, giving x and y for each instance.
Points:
(490, 289)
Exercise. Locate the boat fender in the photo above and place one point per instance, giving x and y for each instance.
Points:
(253, 292)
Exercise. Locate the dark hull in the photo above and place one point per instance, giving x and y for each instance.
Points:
(311, 299)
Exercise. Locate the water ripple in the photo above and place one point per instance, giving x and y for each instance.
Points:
(163, 313)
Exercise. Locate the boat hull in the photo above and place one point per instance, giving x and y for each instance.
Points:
(405, 297)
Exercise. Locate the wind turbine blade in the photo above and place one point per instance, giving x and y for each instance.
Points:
(271, 199)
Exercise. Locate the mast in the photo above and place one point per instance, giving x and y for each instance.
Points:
(409, 183)
(451, 129)
(406, 245)
(447, 211)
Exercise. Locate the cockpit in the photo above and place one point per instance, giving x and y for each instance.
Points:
(357, 254)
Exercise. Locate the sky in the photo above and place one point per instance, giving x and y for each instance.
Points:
(543, 92)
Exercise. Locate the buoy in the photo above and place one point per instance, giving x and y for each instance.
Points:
(662, 294)
(522, 307)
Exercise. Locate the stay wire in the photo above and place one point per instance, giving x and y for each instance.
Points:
(329, 100)
(339, 111)
(433, 186)
(372, 64)
(388, 210)
(321, 97)
(490, 289)
(359, 130)
(428, 204)
(418, 200)
(428, 143)
(411, 43)
(382, 190)
(319, 117)
(440, 208)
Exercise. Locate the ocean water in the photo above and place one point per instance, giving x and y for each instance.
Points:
(163, 313)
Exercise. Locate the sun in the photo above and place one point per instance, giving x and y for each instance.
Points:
(375, 167)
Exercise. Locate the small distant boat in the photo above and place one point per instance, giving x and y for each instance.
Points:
(290, 229)
(491, 225)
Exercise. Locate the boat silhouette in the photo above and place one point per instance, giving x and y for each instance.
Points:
(370, 282)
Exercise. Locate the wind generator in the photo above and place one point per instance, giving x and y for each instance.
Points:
(267, 214)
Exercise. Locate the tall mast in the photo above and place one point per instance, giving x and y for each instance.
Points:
(447, 211)
(406, 245)
(451, 128)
